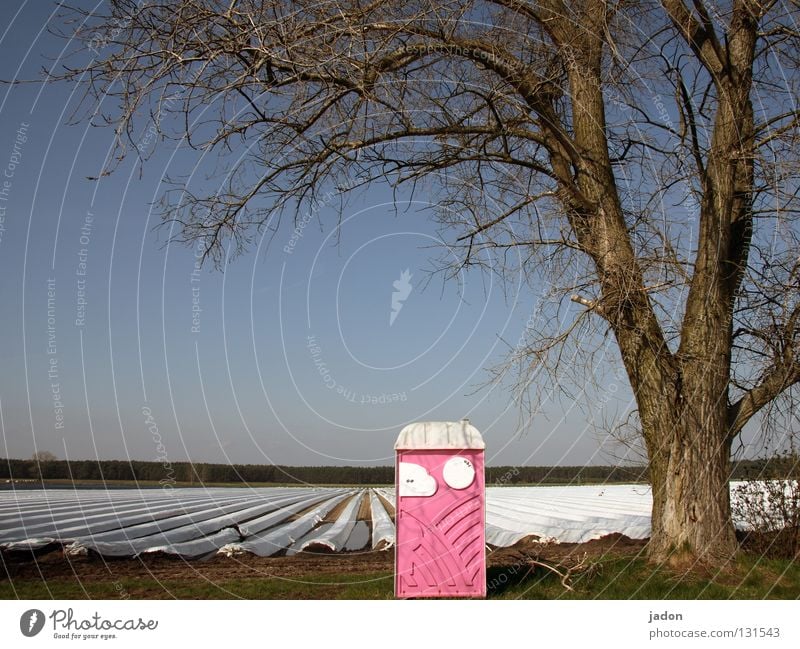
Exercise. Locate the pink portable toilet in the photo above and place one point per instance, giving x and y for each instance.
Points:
(440, 547)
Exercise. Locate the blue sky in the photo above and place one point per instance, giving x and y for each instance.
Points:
(285, 357)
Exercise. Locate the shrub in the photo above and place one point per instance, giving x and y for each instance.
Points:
(768, 510)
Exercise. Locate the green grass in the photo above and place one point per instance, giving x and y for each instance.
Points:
(618, 578)
(634, 578)
(345, 586)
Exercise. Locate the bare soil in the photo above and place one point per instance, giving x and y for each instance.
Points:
(333, 514)
(610, 546)
(55, 565)
(389, 507)
(364, 511)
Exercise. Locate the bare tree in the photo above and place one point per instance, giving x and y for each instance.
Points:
(43, 456)
(645, 151)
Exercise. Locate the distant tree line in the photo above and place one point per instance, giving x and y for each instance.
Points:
(191, 472)
(195, 473)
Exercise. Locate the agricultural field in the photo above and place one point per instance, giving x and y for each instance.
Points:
(331, 542)
(193, 523)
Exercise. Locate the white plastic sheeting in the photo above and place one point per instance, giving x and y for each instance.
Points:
(205, 518)
(61, 519)
(165, 535)
(358, 539)
(266, 521)
(127, 522)
(335, 538)
(566, 514)
(285, 536)
(198, 547)
(382, 525)
(253, 527)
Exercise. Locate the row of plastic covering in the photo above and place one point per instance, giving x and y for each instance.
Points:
(192, 522)
(568, 514)
(268, 521)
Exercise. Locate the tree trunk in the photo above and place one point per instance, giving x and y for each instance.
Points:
(683, 398)
(691, 499)
(689, 448)
(688, 434)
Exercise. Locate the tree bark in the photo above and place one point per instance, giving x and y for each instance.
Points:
(689, 472)
(690, 455)
(683, 397)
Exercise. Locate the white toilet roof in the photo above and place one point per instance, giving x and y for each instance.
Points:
(439, 434)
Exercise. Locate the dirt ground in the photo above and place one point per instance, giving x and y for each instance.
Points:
(55, 565)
